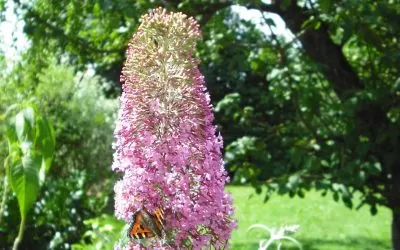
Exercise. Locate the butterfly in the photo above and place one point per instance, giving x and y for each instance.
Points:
(145, 225)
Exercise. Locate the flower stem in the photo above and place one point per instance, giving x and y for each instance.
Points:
(266, 245)
(4, 199)
(20, 234)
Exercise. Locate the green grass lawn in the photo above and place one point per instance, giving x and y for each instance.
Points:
(324, 224)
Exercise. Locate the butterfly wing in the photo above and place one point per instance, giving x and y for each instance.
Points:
(145, 225)
(159, 215)
(152, 223)
(138, 229)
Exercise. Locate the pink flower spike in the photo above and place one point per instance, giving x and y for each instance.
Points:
(166, 145)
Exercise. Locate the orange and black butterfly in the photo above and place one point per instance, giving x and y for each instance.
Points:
(145, 225)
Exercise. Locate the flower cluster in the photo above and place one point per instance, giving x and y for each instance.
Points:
(166, 145)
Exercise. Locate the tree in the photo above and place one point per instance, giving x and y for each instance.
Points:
(321, 110)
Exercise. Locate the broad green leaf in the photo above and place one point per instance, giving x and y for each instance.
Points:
(7, 162)
(11, 134)
(23, 176)
(24, 124)
(45, 138)
(45, 141)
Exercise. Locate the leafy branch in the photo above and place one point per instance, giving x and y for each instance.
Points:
(31, 146)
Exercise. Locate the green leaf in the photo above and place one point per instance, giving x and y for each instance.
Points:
(373, 209)
(270, 22)
(266, 197)
(11, 134)
(301, 193)
(325, 5)
(347, 201)
(258, 190)
(311, 23)
(347, 30)
(7, 162)
(45, 142)
(336, 196)
(285, 4)
(24, 125)
(23, 176)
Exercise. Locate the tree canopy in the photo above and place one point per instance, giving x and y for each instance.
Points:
(321, 110)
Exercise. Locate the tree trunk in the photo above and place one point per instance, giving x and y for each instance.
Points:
(395, 204)
(396, 230)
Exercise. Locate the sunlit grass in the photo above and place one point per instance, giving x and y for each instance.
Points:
(324, 224)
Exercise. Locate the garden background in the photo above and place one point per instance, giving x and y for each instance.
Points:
(305, 94)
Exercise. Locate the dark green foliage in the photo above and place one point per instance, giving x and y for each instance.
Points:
(320, 111)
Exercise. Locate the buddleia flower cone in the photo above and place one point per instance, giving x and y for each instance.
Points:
(166, 145)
